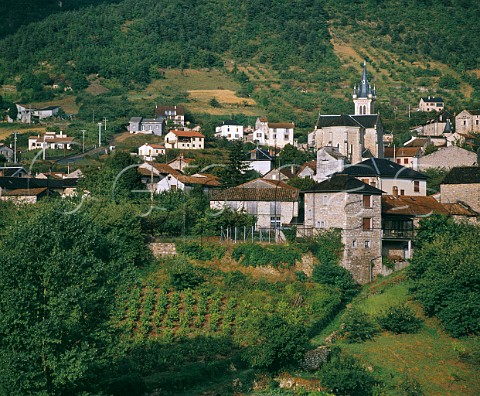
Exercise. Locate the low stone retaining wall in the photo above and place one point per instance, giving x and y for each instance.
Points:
(163, 249)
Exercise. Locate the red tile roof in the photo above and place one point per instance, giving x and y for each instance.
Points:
(187, 133)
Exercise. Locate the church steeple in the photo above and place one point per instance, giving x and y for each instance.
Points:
(363, 96)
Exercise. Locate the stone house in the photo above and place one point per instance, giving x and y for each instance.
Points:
(390, 177)
(284, 173)
(24, 196)
(431, 103)
(260, 160)
(354, 207)
(174, 114)
(190, 140)
(177, 181)
(460, 139)
(468, 121)
(447, 158)
(273, 202)
(462, 185)
(180, 163)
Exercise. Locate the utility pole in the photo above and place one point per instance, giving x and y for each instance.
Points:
(99, 134)
(15, 147)
(83, 140)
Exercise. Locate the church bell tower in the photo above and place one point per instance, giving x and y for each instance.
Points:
(363, 96)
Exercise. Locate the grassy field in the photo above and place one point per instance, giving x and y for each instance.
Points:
(428, 356)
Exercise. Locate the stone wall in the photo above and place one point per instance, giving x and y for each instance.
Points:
(467, 193)
(447, 157)
(163, 249)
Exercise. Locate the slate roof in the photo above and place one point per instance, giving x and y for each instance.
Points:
(474, 112)
(344, 183)
(161, 110)
(380, 167)
(230, 122)
(11, 170)
(432, 99)
(463, 175)
(13, 183)
(365, 121)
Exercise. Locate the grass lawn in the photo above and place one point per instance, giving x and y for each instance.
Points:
(427, 356)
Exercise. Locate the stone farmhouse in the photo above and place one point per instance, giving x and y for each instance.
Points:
(431, 103)
(462, 185)
(358, 136)
(353, 206)
(273, 202)
(468, 121)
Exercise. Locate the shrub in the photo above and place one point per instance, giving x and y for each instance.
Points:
(344, 375)
(205, 252)
(357, 326)
(399, 319)
(182, 275)
(256, 255)
(333, 274)
(326, 246)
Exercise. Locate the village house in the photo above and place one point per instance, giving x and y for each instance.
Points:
(447, 158)
(18, 186)
(329, 161)
(284, 173)
(431, 103)
(24, 196)
(462, 185)
(406, 156)
(13, 171)
(436, 127)
(190, 140)
(180, 163)
(150, 151)
(354, 207)
(172, 114)
(27, 114)
(273, 134)
(468, 121)
(460, 139)
(273, 202)
(356, 136)
(229, 130)
(7, 152)
(308, 170)
(51, 140)
(152, 126)
(260, 161)
(390, 177)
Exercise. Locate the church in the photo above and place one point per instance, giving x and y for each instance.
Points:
(355, 136)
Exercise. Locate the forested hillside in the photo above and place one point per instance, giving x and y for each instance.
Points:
(293, 58)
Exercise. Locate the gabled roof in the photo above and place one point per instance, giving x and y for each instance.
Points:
(161, 110)
(344, 183)
(286, 125)
(380, 167)
(463, 175)
(310, 164)
(159, 169)
(13, 183)
(279, 194)
(390, 152)
(365, 121)
(179, 133)
(473, 112)
(459, 209)
(432, 99)
(154, 145)
(412, 205)
(11, 170)
(259, 155)
(266, 183)
(25, 192)
(230, 122)
(200, 179)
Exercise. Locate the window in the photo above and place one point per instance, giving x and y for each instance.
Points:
(275, 221)
(367, 244)
(405, 161)
(367, 201)
(395, 191)
(367, 223)
(398, 160)
(402, 192)
(321, 224)
(416, 186)
(354, 243)
(373, 183)
(325, 200)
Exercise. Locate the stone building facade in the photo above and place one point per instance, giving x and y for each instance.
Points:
(447, 158)
(462, 185)
(468, 121)
(354, 207)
